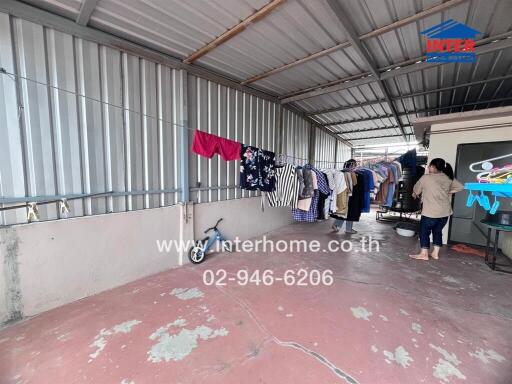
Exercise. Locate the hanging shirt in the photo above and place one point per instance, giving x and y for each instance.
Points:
(392, 185)
(368, 186)
(341, 204)
(408, 159)
(207, 145)
(286, 191)
(305, 204)
(330, 178)
(257, 169)
(355, 202)
(337, 184)
(323, 202)
(307, 178)
(312, 214)
(321, 182)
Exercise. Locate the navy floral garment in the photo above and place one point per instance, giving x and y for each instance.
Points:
(257, 169)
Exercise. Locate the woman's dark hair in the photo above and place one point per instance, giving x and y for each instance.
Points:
(442, 166)
(350, 164)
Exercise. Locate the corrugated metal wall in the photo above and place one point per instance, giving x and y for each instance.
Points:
(80, 118)
(83, 118)
(325, 148)
(295, 136)
(343, 153)
(232, 114)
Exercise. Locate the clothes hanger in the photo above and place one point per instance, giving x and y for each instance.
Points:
(486, 164)
(495, 206)
(482, 199)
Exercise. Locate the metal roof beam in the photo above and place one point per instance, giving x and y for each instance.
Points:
(486, 45)
(332, 88)
(357, 120)
(368, 130)
(409, 95)
(284, 67)
(316, 123)
(133, 45)
(478, 43)
(500, 100)
(346, 107)
(470, 84)
(351, 33)
(232, 32)
(86, 10)
(426, 110)
(379, 31)
(375, 137)
(407, 20)
(325, 85)
(419, 65)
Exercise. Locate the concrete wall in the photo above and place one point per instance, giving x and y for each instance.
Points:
(242, 218)
(48, 264)
(444, 144)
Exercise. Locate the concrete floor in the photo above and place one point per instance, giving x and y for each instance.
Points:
(386, 319)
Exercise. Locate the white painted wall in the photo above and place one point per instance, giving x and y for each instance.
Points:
(444, 144)
(66, 260)
(242, 218)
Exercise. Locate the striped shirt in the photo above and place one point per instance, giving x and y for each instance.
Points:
(286, 191)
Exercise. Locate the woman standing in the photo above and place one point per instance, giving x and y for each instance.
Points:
(436, 189)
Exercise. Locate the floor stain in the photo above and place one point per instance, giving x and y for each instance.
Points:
(400, 357)
(447, 366)
(100, 340)
(361, 313)
(416, 328)
(179, 345)
(187, 293)
(487, 356)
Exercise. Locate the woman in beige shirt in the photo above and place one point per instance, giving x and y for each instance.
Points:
(436, 189)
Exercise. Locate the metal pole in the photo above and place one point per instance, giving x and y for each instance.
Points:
(184, 141)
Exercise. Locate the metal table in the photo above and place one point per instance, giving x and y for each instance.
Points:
(497, 228)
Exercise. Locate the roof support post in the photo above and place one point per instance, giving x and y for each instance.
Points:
(181, 116)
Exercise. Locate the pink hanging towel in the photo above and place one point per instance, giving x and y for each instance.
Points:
(207, 145)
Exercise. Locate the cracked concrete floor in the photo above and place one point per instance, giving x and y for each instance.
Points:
(385, 319)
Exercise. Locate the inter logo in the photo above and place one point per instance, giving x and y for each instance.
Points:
(451, 42)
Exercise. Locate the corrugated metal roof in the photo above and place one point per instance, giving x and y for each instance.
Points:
(300, 28)
(339, 64)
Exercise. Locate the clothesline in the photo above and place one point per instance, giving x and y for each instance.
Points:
(291, 157)
(13, 76)
(20, 106)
